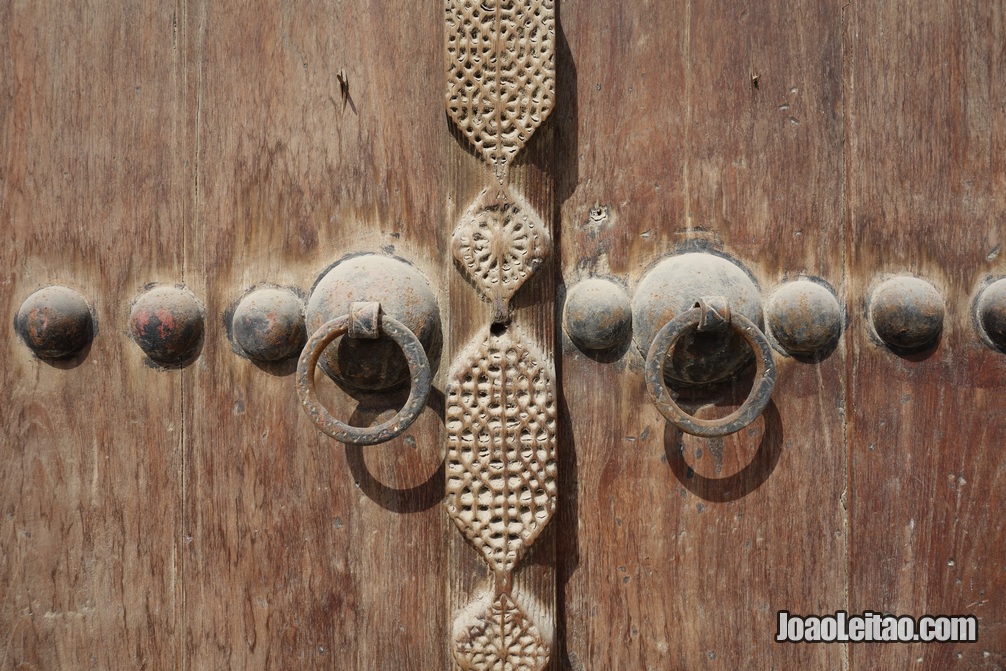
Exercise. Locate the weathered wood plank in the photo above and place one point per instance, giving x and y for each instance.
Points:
(304, 553)
(926, 175)
(93, 189)
(712, 124)
(196, 519)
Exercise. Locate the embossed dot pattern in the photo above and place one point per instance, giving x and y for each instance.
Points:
(501, 459)
(500, 73)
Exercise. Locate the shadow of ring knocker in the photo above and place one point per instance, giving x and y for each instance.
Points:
(739, 484)
(708, 314)
(414, 499)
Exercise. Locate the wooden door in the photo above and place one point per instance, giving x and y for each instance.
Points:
(184, 513)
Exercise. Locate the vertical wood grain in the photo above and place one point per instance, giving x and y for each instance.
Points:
(717, 126)
(195, 519)
(926, 177)
(93, 184)
(302, 552)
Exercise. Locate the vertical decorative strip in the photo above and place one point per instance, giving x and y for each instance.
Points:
(500, 73)
(501, 396)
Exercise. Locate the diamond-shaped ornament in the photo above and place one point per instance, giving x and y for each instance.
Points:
(498, 636)
(499, 243)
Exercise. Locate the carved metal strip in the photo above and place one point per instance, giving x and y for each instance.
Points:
(500, 73)
(501, 457)
(500, 242)
(501, 407)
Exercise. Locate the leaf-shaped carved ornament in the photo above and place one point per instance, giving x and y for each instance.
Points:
(498, 636)
(500, 242)
(501, 446)
(500, 73)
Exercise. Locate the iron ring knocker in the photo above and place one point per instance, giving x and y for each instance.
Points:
(710, 313)
(364, 320)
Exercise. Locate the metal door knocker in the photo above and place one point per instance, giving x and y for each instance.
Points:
(695, 319)
(364, 321)
(375, 327)
(710, 314)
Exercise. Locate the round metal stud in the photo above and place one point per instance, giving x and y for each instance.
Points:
(404, 295)
(672, 287)
(268, 324)
(804, 317)
(167, 323)
(992, 313)
(55, 323)
(907, 313)
(597, 315)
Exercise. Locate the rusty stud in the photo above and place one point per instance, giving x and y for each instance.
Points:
(907, 313)
(55, 323)
(804, 318)
(597, 315)
(167, 324)
(673, 287)
(363, 364)
(268, 324)
(991, 308)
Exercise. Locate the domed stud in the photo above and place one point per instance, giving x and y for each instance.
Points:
(55, 323)
(402, 290)
(268, 324)
(597, 315)
(907, 314)
(991, 313)
(671, 288)
(805, 318)
(167, 324)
